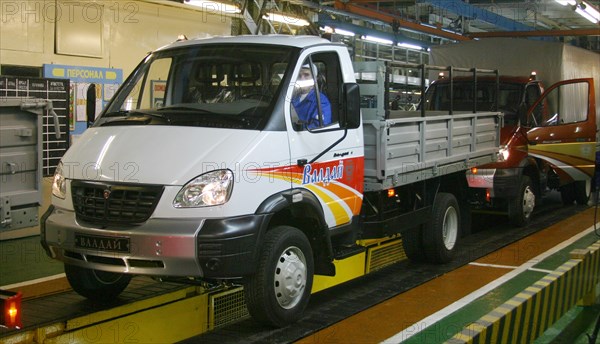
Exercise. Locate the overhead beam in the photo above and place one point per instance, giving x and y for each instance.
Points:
(472, 12)
(392, 19)
(538, 33)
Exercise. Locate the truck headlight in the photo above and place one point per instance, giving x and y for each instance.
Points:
(59, 183)
(212, 188)
(503, 153)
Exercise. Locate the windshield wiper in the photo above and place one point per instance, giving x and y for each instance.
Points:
(132, 113)
(117, 113)
(187, 108)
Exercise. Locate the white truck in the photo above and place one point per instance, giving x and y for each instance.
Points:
(553, 149)
(201, 168)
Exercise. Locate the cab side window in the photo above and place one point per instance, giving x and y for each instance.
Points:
(315, 98)
(567, 103)
(532, 94)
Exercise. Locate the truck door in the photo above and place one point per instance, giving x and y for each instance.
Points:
(563, 129)
(326, 160)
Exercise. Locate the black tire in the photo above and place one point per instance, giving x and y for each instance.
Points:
(285, 249)
(582, 190)
(567, 194)
(521, 207)
(442, 233)
(95, 284)
(413, 244)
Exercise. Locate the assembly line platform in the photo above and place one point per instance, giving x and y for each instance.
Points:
(533, 284)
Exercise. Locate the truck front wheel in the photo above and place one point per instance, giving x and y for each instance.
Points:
(96, 284)
(521, 207)
(278, 292)
(441, 234)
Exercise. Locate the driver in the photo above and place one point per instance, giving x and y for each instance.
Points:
(305, 102)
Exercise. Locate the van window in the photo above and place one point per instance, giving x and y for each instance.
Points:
(149, 92)
(213, 85)
(437, 96)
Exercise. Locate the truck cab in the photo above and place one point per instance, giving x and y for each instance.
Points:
(526, 170)
(198, 154)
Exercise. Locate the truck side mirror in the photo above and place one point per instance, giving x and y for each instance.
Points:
(350, 116)
(90, 104)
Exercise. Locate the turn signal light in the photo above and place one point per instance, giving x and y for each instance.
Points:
(488, 196)
(11, 309)
(474, 170)
(391, 193)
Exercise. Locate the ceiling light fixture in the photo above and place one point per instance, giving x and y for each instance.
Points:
(586, 15)
(214, 6)
(377, 39)
(589, 9)
(583, 8)
(344, 32)
(410, 46)
(566, 2)
(285, 19)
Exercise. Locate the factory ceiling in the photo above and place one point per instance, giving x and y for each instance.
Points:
(437, 21)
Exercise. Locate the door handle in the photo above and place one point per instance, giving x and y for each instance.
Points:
(12, 167)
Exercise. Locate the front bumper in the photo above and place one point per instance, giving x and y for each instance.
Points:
(502, 182)
(203, 248)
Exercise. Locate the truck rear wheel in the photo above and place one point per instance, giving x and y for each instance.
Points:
(583, 189)
(96, 284)
(521, 207)
(278, 292)
(441, 234)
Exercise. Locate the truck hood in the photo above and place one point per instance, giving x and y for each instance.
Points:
(154, 154)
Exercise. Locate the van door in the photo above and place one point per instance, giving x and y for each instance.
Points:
(327, 162)
(563, 130)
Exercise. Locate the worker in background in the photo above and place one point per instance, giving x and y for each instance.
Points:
(305, 101)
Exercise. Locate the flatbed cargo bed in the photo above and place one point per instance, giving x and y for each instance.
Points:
(404, 150)
(402, 147)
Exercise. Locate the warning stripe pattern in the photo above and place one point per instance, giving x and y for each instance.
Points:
(527, 315)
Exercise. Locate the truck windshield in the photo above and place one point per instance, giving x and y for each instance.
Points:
(226, 86)
(437, 97)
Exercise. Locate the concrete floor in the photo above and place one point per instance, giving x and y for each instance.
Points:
(405, 312)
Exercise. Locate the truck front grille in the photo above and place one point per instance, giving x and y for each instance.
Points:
(102, 203)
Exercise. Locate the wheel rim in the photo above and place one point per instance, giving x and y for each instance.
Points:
(588, 187)
(528, 202)
(290, 277)
(450, 228)
(105, 277)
